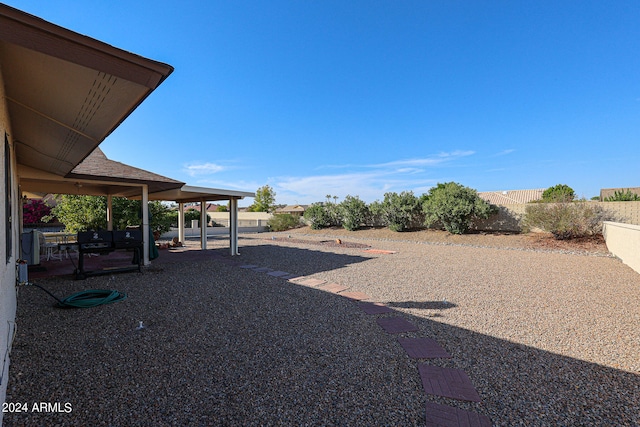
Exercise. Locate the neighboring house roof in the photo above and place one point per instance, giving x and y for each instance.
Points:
(211, 207)
(292, 209)
(511, 197)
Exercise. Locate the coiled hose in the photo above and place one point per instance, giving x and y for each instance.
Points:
(86, 299)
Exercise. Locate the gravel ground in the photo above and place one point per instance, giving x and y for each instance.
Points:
(548, 336)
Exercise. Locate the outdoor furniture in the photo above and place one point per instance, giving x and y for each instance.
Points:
(105, 242)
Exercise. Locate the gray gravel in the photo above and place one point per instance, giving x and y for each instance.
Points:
(547, 339)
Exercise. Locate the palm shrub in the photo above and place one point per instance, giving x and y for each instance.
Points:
(353, 213)
(454, 207)
(317, 216)
(623, 196)
(566, 220)
(282, 222)
(399, 212)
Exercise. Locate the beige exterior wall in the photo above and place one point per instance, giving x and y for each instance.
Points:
(7, 267)
(623, 240)
(245, 219)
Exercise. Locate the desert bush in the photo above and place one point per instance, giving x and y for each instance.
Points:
(353, 213)
(566, 220)
(317, 216)
(454, 207)
(623, 196)
(399, 212)
(558, 194)
(282, 222)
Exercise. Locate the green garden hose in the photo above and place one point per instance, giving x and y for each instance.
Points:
(86, 299)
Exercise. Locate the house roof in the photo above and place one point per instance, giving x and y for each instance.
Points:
(96, 175)
(66, 92)
(292, 208)
(511, 197)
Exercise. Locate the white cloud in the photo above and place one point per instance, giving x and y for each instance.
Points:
(368, 186)
(428, 161)
(203, 169)
(504, 152)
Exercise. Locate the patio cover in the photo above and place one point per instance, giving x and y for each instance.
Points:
(66, 92)
(99, 176)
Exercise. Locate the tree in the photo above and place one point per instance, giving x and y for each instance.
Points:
(193, 214)
(558, 194)
(454, 207)
(83, 213)
(264, 200)
(354, 213)
(317, 216)
(399, 211)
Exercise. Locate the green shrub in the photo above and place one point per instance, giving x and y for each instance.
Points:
(566, 220)
(399, 212)
(317, 216)
(454, 207)
(623, 196)
(282, 222)
(353, 213)
(558, 194)
(192, 214)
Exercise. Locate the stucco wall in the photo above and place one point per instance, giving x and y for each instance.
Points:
(508, 216)
(7, 267)
(623, 240)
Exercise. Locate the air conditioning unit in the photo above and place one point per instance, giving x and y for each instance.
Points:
(30, 247)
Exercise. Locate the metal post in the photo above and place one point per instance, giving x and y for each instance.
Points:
(109, 212)
(145, 223)
(233, 226)
(181, 223)
(203, 224)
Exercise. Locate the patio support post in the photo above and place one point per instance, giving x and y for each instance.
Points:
(109, 212)
(203, 224)
(181, 222)
(145, 224)
(233, 226)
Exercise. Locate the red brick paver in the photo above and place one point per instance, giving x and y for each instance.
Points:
(380, 251)
(447, 416)
(375, 308)
(447, 382)
(356, 296)
(396, 325)
(333, 287)
(423, 348)
(312, 282)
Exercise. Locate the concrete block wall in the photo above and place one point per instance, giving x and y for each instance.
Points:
(508, 217)
(623, 240)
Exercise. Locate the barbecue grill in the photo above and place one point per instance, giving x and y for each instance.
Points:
(104, 242)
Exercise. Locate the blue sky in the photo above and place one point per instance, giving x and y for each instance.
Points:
(365, 97)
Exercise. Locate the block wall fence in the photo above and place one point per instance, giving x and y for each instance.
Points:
(508, 216)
